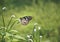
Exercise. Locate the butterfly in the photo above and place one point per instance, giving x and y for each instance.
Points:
(25, 20)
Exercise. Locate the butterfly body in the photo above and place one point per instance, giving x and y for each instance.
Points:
(25, 20)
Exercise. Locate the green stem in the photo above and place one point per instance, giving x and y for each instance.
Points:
(38, 35)
(12, 25)
(3, 20)
(34, 34)
(9, 22)
(3, 39)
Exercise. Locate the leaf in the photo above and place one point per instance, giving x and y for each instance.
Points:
(19, 37)
(14, 31)
(8, 34)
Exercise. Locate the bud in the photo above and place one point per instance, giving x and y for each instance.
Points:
(13, 16)
(35, 30)
(40, 36)
(4, 8)
(28, 36)
(39, 28)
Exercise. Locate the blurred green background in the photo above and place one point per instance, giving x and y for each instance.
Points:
(44, 12)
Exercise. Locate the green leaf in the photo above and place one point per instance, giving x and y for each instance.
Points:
(19, 37)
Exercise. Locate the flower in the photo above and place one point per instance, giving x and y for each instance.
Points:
(13, 16)
(4, 8)
(35, 30)
(28, 36)
(39, 28)
(30, 40)
(40, 36)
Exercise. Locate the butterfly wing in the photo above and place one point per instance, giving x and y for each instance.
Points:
(25, 20)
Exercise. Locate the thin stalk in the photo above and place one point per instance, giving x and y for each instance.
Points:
(11, 39)
(12, 25)
(9, 22)
(3, 39)
(38, 35)
(3, 20)
(34, 35)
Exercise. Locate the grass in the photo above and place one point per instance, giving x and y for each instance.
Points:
(46, 15)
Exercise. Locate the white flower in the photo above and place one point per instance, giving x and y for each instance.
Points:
(28, 36)
(35, 23)
(40, 36)
(39, 28)
(13, 16)
(35, 30)
(3, 8)
(30, 40)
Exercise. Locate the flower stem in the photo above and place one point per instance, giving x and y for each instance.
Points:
(9, 23)
(3, 20)
(12, 25)
(3, 39)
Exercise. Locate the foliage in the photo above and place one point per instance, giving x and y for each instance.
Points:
(6, 32)
(45, 12)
